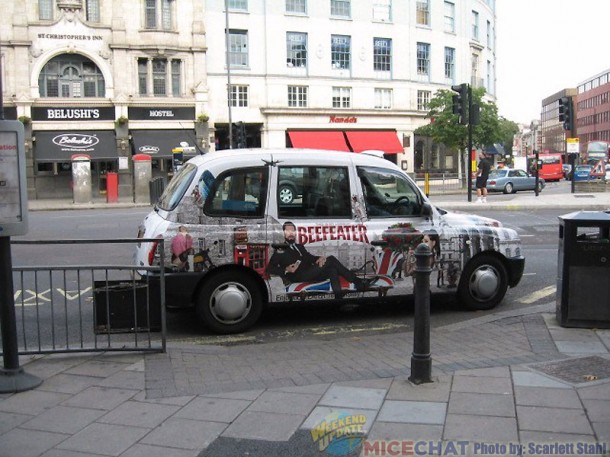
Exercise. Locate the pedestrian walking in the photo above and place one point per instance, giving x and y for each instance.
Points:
(482, 174)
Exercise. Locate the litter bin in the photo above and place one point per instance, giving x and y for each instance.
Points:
(126, 306)
(583, 285)
(112, 187)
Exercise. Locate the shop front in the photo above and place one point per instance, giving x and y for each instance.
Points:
(348, 140)
(53, 153)
(159, 144)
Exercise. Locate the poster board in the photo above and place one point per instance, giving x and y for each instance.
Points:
(13, 185)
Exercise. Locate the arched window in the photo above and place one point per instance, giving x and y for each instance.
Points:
(71, 76)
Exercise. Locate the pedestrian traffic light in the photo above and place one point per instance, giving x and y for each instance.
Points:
(566, 114)
(460, 102)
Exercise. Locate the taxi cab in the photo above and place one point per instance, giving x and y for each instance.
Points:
(233, 243)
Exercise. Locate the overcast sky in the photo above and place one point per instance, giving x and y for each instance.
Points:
(544, 46)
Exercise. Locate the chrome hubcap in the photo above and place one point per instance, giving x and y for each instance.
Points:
(484, 283)
(230, 303)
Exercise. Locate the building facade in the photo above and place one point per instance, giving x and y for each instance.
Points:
(592, 107)
(114, 78)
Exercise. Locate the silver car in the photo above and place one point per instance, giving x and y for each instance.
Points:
(511, 180)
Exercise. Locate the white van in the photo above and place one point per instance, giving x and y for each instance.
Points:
(234, 241)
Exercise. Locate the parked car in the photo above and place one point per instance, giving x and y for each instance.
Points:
(583, 173)
(290, 185)
(511, 180)
(230, 248)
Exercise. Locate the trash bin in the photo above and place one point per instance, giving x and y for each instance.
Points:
(112, 187)
(583, 285)
(126, 306)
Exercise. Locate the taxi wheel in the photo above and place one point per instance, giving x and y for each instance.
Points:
(483, 283)
(229, 302)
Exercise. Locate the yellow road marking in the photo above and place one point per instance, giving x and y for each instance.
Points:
(538, 295)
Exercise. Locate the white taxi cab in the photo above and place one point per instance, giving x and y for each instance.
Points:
(234, 242)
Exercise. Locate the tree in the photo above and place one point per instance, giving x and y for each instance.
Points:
(444, 127)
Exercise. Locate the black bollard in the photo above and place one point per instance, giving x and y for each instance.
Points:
(421, 361)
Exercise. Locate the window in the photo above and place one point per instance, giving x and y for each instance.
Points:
(489, 35)
(423, 12)
(238, 5)
(383, 98)
(449, 17)
(450, 63)
(423, 59)
(238, 48)
(240, 192)
(239, 96)
(382, 54)
(296, 6)
(488, 86)
(382, 10)
(340, 50)
(423, 100)
(296, 50)
(314, 192)
(45, 10)
(159, 77)
(297, 96)
(72, 76)
(93, 10)
(342, 97)
(475, 25)
(340, 8)
(388, 193)
(158, 14)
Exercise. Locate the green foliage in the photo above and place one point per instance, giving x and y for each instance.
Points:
(445, 129)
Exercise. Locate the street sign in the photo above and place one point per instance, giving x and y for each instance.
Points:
(572, 145)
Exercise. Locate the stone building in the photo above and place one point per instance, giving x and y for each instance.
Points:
(114, 78)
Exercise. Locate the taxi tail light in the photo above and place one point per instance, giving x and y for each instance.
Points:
(153, 252)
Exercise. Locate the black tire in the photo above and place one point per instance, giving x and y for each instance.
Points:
(286, 194)
(483, 283)
(229, 302)
(508, 188)
(539, 187)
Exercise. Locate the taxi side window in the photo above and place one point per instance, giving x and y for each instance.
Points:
(387, 193)
(240, 192)
(313, 192)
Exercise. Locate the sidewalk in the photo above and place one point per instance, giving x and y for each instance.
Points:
(501, 381)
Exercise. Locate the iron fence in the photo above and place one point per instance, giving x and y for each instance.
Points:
(442, 183)
(88, 308)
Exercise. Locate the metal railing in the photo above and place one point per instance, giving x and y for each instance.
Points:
(88, 308)
(442, 183)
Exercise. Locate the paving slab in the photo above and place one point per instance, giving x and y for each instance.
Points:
(545, 396)
(213, 409)
(139, 414)
(388, 431)
(145, 450)
(63, 419)
(184, 434)
(480, 428)
(529, 379)
(68, 383)
(481, 384)
(483, 404)
(264, 426)
(28, 443)
(323, 413)
(106, 439)
(285, 402)
(32, 401)
(403, 389)
(9, 421)
(598, 410)
(105, 398)
(353, 397)
(581, 347)
(416, 412)
(560, 420)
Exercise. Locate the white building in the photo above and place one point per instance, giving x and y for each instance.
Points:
(351, 74)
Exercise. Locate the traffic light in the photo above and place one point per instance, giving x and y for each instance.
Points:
(566, 115)
(460, 102)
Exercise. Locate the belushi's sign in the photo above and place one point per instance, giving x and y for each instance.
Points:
(76, 141)
(92, 113)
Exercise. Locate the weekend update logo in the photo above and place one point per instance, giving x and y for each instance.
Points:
(339, 433)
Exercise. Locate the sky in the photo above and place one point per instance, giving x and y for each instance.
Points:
(544, 46)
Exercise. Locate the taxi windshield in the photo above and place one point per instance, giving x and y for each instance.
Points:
(177, 187)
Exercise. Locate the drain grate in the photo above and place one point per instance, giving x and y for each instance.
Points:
(582, 369)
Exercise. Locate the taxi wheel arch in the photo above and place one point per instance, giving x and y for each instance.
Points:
(229, 301)
(483, 282)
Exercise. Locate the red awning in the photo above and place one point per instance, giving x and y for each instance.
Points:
(386, 141)
(320, 139)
